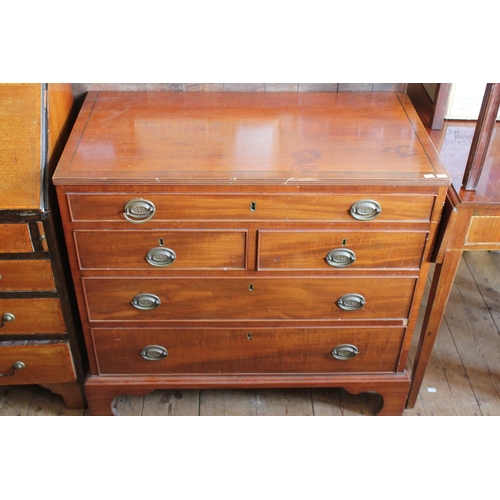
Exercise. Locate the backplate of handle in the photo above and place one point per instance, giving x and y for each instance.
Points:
(365, 210)
(154, 352)
(351, 302)
(345, 351)
(138, 210)
(160, 256)
(340, 257)
(146, 301)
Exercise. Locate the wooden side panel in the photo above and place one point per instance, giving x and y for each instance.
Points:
(483, 230)
(20, 145)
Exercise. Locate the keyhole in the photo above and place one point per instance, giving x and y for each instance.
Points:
(160, 241)
(250, 288)
(249, 336)
(253, 206)
(344, 242)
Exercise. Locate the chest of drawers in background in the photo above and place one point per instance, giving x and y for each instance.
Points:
(249, 240)
(39, 342)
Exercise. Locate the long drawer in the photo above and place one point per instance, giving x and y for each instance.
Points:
(327, 250)
(238, 350)
(306, 207)
(33, 315)
(36, 362)
(26, 275)
(192, 299)
(178, 249)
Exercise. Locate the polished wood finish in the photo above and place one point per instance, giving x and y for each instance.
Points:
(34, 122)
(45, 362)
(21, 275)
(253, 164)
(470, 222)
(247, 350)
(21, 156)
(16, 238)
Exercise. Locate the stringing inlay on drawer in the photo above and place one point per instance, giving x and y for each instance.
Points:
(182, 249)
(320, 207)
(328, 250)
(238, 350)
(192, 299)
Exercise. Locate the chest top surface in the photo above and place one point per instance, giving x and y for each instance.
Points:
(249, 138)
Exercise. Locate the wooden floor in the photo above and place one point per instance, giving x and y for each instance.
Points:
(463, 376)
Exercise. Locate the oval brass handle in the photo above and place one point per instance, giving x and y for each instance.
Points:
(17, 365)
(345, 351)
(138, 210)
(160, 256)
(351, 302)
(340, 257)
(7, 318)
(154, 352)
(146, 301)
(365, 210)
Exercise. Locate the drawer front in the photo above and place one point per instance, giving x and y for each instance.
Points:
(34, 315)
(484, 230)
(26, 275)
(148, 250)
(192, 299)
(165, 207)
(292, 350)
(46, 362)
(15, 238)
(329, 250)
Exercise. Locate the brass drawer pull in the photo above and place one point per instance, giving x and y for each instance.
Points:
(138, 210)
(344, 351)
(160, 256)
(154, 353)
(7, 318)
(365, 210)
(17, 365)
(340, 257)
(146, 301)
(351, 302)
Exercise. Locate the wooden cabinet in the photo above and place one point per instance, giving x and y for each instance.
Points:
(223, 240)
(40, 342)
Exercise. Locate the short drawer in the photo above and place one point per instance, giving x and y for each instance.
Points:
(26, 275)
(36, 362)
(178, 249)
(329, 250)
(259, 350)
(15, 238)
(33, 315)
(319, 207)
(212, 299)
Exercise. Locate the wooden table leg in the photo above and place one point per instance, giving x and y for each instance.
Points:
(442, 283)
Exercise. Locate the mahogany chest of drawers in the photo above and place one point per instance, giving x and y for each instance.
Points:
(39, 342)
(223, 240)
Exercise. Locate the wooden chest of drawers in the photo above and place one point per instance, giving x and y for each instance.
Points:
(39, 341)
(249, 240)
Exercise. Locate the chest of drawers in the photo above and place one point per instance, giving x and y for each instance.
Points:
(223, 240)
(39, 340)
